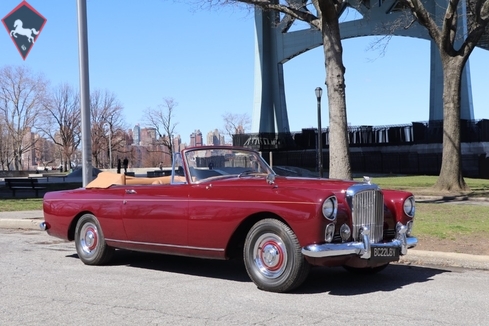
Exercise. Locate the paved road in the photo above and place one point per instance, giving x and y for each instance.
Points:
(44, 283)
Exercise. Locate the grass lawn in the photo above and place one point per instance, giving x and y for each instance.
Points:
(423, 185)
(28, 204)
(448, 221)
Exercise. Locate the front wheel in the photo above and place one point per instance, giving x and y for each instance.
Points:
(90, 242)
(273, 258)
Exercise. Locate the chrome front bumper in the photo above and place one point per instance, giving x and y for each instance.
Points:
(361, 248)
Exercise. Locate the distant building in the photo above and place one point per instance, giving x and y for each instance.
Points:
(214, 138)
(148, 136)
(240, 130)
(28, 153)
(41, 154)
(177, 144)
(129, 138)
(137, 135)
(196, 138)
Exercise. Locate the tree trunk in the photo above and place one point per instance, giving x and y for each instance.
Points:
(339, 152)
(451, 178)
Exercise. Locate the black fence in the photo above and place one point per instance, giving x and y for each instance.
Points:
(472, 131)
(368, 146)
(401, 162)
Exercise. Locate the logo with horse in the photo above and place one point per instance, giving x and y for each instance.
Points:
(24, 24)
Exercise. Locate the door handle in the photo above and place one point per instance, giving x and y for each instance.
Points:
(131, 191)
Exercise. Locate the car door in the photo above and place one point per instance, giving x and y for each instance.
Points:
(216, 209)
(156, 215)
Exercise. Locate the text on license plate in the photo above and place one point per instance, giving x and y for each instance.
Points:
(384, 252)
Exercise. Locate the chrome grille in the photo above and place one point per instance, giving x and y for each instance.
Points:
(367, 206)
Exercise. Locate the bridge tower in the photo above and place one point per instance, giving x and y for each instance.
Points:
(275, 45)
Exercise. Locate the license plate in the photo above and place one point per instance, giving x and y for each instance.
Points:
(384, 254)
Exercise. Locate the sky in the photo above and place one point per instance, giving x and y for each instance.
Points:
(147, 50)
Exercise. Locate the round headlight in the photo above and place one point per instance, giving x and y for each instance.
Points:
(330, 208)
(409, 207)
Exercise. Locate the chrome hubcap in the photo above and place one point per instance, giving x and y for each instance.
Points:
(88, 238)
(270, 255)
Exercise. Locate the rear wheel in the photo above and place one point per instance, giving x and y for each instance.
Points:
(273, 258)
(366, 270)
(90, 242)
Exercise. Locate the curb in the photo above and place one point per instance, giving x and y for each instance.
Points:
(25, 224)
(445, 259)
(448, 199)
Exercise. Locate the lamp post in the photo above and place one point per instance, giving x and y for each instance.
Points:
(110, 146)
(319, 93)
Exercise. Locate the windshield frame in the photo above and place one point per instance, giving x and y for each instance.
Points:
(206, 163)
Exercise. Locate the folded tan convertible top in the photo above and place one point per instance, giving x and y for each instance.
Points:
(107, 179)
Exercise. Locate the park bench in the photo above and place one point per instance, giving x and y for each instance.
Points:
(158, 173)
(54, 175)
(23, 184)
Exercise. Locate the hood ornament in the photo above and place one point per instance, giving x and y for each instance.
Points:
(367, 179)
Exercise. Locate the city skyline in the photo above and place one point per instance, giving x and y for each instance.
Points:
(213, 137)
(41, 153)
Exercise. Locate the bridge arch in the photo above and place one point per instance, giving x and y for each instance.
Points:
(275, 44)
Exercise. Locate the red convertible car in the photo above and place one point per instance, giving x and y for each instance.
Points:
(226, 202)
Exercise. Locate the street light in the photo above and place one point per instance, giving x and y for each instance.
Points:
(110, 146)
(319, 93)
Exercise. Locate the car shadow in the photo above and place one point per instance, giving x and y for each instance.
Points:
(337, 281)
(332, 280)
(232, 270)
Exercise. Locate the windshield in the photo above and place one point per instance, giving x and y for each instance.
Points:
(215, 163)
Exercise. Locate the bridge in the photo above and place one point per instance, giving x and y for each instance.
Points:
(276, 44)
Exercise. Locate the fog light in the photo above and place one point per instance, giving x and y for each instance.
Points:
(345, 232)
(329, 232)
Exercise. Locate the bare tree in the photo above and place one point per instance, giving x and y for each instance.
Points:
(61, 121)
(106, 121)
(45, 152)
(5, 158)
(235, 123)
(455, 47)
(22, 94)
(151, 155)
(161, 119)
(326, 20)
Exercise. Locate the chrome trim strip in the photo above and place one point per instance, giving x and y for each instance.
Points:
(361, 248)
(159, 200)
(164, 245)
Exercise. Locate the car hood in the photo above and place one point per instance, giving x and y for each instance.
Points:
(281, 182)
(322, 184)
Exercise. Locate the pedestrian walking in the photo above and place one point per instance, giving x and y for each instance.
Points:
(126, 163)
